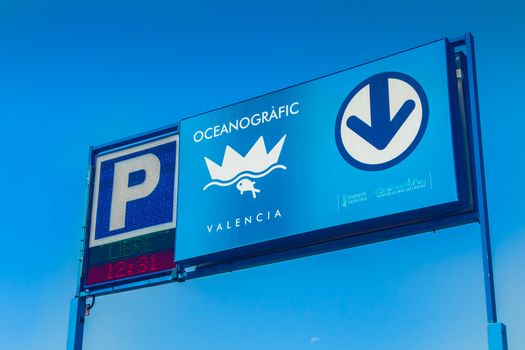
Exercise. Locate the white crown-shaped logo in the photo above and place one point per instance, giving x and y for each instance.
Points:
(256, 161)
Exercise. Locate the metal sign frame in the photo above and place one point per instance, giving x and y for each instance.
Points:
(473, 204)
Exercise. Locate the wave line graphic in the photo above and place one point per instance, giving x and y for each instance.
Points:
(245, 174)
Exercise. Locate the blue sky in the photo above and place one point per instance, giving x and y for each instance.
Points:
(75, 74)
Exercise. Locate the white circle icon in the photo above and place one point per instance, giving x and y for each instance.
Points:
(381, 121)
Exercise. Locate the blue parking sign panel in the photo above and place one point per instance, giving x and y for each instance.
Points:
(135, 191)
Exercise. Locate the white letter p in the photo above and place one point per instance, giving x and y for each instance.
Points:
(123, 193)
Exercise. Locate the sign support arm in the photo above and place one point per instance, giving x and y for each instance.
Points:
(496, 331)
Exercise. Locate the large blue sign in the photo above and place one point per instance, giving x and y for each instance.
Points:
(135, 191)
(366, 143)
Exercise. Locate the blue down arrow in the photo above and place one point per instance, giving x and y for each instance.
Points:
(382, 129)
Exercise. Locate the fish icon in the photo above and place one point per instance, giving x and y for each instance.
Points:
(245, 185)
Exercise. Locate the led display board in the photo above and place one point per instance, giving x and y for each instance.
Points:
(370, 148)
(133, 211)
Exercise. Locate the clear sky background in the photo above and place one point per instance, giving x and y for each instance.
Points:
(81, 73)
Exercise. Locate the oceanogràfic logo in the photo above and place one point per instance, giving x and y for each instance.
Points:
(242, 170)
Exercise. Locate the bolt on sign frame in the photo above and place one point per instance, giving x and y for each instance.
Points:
(147, 256)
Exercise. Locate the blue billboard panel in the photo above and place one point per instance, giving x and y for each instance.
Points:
(376, 141)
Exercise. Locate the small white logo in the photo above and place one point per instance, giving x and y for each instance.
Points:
(236, 169)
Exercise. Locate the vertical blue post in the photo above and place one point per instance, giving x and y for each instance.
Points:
(75, 333)
(497, 336)
(496, 331)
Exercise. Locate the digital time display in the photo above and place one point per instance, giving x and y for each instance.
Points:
(130, 258)
(131, 267)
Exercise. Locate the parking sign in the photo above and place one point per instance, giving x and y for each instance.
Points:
(133, 211)
(135, 191)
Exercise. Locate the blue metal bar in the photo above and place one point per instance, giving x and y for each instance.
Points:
(497, 336)
(75, 333)
(457, 41)
(497, 333)
(87, 222)
(78, 303)
(480, 180)
(129, 286)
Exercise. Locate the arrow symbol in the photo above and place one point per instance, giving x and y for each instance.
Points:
(382, 129)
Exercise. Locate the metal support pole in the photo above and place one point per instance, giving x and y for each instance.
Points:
(77, 310)
(75, 333)
(497, 336)
(496, 331)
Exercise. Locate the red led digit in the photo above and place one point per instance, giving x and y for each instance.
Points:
(143, 265)
(109, 275)
(135, 266)
(152, 263)
(121, 269)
